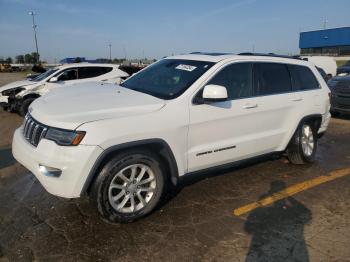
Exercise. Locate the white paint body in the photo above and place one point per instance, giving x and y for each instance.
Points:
(115, 115)
(45, 86)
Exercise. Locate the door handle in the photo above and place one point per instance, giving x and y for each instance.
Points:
(297, 99)
(249, 106)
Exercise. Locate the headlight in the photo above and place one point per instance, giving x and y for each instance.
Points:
(12, 91)
(65, 137)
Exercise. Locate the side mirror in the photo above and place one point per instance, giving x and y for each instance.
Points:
(53, 79)
(214, 93)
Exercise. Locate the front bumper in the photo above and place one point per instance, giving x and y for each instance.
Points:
(4, 100)
(340, 103)
(75, 163)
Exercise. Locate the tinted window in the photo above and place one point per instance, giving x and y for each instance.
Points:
(167, 78)
(302, 78)
(237, 78)
(69, 74)
(89, 72)
(271, 78)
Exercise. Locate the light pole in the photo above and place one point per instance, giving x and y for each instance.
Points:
(325, 23)
(36, 41)
(110, 52)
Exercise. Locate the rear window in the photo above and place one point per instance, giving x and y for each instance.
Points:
(302, 78)
(271, 78)
(93, 71)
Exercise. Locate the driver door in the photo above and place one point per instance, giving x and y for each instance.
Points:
(67, 76)
(223, 132)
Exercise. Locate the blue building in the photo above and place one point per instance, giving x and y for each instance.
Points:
(335, 41)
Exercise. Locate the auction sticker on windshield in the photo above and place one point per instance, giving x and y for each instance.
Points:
(186, 67)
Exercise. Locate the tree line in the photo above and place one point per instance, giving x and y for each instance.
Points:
(30, 58)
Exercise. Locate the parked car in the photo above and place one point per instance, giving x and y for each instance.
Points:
(327, 63)
(340, 94)
(17, 96)
(126, 145)
(344, 69)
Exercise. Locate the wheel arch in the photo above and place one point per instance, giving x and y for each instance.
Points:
(31, 95)
(316, 118)
(156, 145)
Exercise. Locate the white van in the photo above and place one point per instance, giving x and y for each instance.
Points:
(327, 63)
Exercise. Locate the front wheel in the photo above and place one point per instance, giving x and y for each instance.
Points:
(129, 186)
(25, 106)
(303, 145)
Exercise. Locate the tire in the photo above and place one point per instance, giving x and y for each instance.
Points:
(102, 192)
(302, 149)
(24, 106)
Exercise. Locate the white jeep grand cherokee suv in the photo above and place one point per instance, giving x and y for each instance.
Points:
(124, 145)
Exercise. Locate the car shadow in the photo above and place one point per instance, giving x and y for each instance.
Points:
(195, 177)
(278, 230)
(6, 158)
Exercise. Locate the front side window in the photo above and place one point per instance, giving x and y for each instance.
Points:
(92, 71)
(67, 75)
(271, 78)
(168, 78)
(237, 78)
(302, 78)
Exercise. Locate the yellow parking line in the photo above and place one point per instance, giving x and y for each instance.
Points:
(292, 190)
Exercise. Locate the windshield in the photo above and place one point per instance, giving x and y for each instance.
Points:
(44, 75)
(168, 78)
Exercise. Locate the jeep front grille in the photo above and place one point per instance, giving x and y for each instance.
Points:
(33, 131)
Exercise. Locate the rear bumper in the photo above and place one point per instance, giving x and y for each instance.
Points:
(74, 163)
(324, 124)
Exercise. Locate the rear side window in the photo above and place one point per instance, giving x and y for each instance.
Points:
(302, 78)
(237, 78)
(271, 78)
(92, 71)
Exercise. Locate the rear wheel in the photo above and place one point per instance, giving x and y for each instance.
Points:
(302, 147)
(129, 186)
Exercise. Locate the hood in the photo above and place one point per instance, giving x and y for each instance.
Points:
(343, 69)
(69, 107)
(16, 84)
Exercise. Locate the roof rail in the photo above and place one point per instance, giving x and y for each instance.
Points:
(271, 55)
(210, 53)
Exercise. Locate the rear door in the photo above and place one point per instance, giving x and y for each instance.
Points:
(274, 97)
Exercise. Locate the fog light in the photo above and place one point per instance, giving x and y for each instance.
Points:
(50, 171)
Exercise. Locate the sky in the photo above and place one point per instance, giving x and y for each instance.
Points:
(157, 28)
